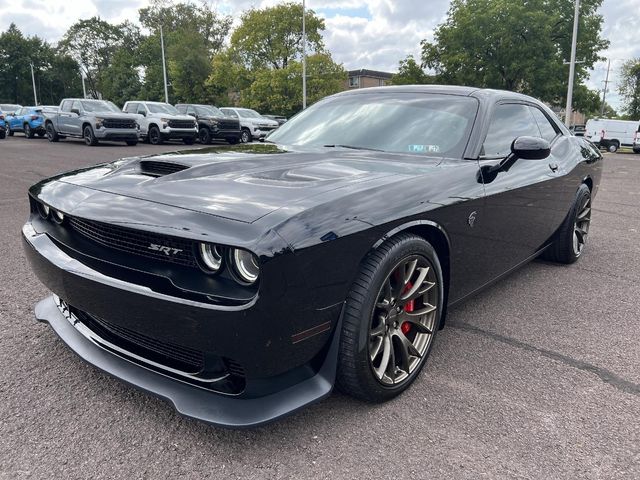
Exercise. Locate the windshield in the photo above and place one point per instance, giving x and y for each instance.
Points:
(426, 124)
(162, 108)
(98, 106)
(208, 111)
(6, 107)
(246, 113)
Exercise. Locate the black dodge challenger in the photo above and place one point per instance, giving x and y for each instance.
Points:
(243, 283)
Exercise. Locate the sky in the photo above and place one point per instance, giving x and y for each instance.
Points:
(373, 34)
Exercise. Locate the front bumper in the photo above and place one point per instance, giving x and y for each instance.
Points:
(263, 399)
(169, 133)
(115, 134)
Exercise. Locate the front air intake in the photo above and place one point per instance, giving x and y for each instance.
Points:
(155, 168)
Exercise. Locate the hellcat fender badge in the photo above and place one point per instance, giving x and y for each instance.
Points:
(472, 218)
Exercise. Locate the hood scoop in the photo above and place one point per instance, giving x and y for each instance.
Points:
(155, 168)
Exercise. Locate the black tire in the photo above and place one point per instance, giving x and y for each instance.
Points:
(612, 147)
(233, 140)
(189, 140)
(636, 150)
(52, 135)
(3, 134)
(89, 138)
(155, 137)
(9, 131)
(41, 134)
(245, 136)
(563, 249)
(204, 135)
(131, 143)
(28, 131)
(355, 373)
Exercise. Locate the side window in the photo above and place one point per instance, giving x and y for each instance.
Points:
(76, 104)
(191, 111)
(131, 108)
(547, 130)
(509, 121)
(66, 106)
(141, 109)
(230, 113)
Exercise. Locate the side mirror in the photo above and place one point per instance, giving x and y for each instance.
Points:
(530, 148)
(76, 111)
(192, 114)
(143, 113)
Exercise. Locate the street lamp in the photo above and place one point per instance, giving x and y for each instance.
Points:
(572, 64)
(304, 57)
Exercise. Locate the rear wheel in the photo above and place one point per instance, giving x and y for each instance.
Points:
(28, 131)
(89, 138)
(570, 239)
(390, 319)
(155, 137)
(613, 147)
(9, 131)
(41, 134)
(2, 134)
(52, 135)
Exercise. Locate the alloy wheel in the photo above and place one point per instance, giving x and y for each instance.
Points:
(404, 320)
(581, 226)
(27, 131)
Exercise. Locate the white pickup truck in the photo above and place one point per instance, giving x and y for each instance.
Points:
(161, 121)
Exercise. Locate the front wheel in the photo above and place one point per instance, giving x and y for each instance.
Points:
(28, 131)
(390, 319)
(570, 239)
(52, 135)
(155, 137)
(9, 131)
(204, 135)
(89, 138)
(245, 135)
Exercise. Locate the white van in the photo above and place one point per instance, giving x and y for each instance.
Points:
(612, 134)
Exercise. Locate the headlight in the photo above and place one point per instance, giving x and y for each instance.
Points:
(213, 121)
(57, 216)
(211, 259)
(43, 210)
(164, 120)
(245, 265)
(99, 121)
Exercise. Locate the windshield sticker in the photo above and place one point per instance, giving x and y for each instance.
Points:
(424, 148)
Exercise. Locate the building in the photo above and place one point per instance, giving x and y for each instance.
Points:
(364, 78)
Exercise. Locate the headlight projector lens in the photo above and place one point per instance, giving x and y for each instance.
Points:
(211, 257)
(57, 216)
(43, 210)
(245, 265)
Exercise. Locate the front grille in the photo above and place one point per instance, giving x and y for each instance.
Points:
(184, 359)
(182, 124)
(146, 244)
(118, 123)
(160, 169)
(226, 125)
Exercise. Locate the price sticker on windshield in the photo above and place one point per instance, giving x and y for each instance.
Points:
(424, 148)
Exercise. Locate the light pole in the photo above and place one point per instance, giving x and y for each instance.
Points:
(572, 65)
(304, 57)
(604, 91)
(84, 88)
(164, 68)
(33, 80)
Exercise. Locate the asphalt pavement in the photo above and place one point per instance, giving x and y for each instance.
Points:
(537, 377)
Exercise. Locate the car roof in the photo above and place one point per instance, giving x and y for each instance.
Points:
(442, 90)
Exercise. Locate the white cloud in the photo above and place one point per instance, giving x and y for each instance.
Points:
(373, 34)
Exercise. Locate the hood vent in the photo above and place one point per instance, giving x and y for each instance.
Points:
(155, 168)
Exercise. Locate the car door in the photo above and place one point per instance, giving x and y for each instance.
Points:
(14, 120)
(63, 116)
(521, 201)
(74, 120)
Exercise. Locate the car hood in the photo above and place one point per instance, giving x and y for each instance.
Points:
(245, 184)
(111, 115)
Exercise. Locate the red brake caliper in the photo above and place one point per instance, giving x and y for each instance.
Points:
(406, 326)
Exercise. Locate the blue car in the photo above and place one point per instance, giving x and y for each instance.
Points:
(3, 126)
(28, 120)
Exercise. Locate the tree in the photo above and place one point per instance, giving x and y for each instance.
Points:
(193, 35)
(272, 37)
(410, 73)
(56, 75)
(514, 45)
(280, 90)
(93, 43)
(629, 88)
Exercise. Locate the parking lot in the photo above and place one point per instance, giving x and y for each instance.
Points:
(537, 377)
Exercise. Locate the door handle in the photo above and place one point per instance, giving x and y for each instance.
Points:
(553, 167)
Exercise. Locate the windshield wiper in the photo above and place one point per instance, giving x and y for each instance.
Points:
(353, 147)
